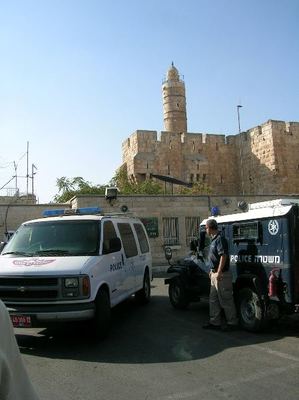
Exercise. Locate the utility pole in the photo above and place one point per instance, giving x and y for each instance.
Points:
(16, 176)
(238, 111)
(33, 167)
(27, 174)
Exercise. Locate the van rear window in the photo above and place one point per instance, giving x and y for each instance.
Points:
(144, 247)
(128, 239)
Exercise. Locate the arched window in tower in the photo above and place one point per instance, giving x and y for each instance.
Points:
(193, 146)
(197, 178)
(217, 146)
(170, 145)
(204, 177)
(221, 179)
(168, 169)
(191, 177)
(197, 166)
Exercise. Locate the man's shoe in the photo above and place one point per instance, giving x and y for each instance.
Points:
(211, 327)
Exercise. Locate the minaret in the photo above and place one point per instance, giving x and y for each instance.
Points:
(174, 102)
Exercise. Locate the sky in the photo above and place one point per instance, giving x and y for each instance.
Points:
(78, 77)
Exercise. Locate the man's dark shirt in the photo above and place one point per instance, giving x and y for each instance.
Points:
(218, 247)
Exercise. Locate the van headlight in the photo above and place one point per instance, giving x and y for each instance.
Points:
(75, 287)
(71, 283)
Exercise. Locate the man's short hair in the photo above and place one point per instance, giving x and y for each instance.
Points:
(212, 223)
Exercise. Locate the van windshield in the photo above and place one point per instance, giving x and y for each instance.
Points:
(55, 238)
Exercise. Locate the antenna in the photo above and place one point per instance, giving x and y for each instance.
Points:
(33, 167)
(16, 174)
(27, 174)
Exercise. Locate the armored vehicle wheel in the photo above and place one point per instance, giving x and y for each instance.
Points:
(177, 294)
(251, 310)
(102, 314)
(143, 295)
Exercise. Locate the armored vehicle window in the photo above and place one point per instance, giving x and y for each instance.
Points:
(246, 231)
(144, 247)
(128, 239)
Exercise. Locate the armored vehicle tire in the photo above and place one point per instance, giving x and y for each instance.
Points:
(102, 314)
(143, 295)
(177, 294)
(251, 310)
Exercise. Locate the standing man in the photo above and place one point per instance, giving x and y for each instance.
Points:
(221, 292)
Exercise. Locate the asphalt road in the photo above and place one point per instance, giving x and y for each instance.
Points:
(154, 352)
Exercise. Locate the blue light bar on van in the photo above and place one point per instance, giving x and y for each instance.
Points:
(88, 210)
(52, 213)
(72, 211)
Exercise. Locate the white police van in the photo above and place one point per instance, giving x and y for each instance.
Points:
(264, 259)
(74, 265)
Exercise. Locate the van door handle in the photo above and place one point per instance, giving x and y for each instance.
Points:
(122, 259)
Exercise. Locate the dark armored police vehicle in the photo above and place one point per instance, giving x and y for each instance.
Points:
(264, 260)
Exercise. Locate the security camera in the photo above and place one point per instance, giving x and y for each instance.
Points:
(111, 193)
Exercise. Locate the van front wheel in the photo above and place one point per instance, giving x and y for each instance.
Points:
(102, 314)
(251, 310)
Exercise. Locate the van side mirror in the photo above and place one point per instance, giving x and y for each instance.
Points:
(2, 245)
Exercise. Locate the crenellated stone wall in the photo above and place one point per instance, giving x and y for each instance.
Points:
(262, 160)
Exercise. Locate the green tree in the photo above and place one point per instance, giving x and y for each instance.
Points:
(70, 187)
(197, 188)
(125, 186)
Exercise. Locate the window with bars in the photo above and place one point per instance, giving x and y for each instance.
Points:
(192, 228)
(170, 231)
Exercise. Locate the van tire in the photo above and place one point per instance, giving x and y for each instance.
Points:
(143, 295)
(251, 310)
(177, 294)
(102, 314)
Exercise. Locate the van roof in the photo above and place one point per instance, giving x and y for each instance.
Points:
(82, 217)
(264, 209)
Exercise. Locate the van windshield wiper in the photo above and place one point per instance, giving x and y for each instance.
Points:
(52, 252)
(18, 253)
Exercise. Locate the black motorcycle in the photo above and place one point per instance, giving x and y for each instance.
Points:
(189, 281)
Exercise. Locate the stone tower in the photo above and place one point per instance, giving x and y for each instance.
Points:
(174, 102)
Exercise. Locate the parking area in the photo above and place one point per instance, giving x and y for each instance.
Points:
(154, 352)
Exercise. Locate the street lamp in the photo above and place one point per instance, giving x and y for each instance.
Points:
(238, 111)
(240, 144)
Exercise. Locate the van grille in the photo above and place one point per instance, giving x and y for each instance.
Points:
(21, 289)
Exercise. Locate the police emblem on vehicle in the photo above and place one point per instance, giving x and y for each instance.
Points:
(273, 227)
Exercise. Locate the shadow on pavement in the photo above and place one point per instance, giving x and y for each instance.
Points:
(155, 333)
